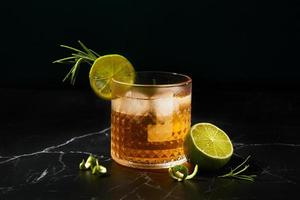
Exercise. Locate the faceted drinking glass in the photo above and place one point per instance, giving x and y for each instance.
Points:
(149, 120)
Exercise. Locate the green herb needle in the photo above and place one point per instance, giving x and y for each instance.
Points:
(236, 172)
(77, 58)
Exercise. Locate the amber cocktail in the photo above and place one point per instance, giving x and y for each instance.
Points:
(149, 120)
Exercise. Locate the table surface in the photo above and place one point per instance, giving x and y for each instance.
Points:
(45, 133)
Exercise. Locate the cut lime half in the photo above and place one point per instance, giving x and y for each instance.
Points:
(208, 146)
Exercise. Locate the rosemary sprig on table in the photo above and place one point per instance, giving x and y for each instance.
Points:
(77, 57)
(180, 172)
(236, 172)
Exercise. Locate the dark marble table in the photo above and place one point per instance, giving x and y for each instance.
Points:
(46, 133)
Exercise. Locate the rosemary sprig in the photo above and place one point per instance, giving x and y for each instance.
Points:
(87, 50)
(79, 56)
(236, 172)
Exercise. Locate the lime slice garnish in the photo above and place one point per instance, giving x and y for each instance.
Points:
(106, 68)
(208, 146)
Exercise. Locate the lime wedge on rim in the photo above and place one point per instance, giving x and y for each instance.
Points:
(208, 146)
(106, 68)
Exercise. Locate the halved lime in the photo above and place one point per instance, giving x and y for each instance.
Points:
(106, 68)
(208, 146)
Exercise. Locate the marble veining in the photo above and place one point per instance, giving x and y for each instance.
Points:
(243, 145)
(56, 164)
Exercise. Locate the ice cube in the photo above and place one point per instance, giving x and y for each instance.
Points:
(116, 104)
(160, 132)
(186, 100)
(163, 105)
(181, 102)
(131, 104)
(162, 108)
(134, 106)
(136, 94)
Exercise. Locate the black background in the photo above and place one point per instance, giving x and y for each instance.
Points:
(244, 42)
(239, 53)
(243, 57)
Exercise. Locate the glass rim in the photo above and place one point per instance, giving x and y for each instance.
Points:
(182, 83)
